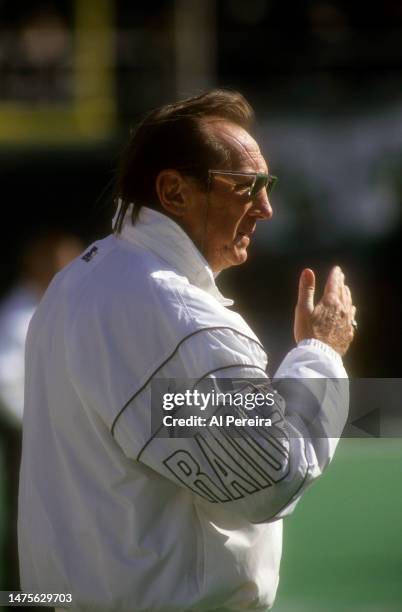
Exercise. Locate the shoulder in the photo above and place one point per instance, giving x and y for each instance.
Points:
(129, 282)
(130, 297)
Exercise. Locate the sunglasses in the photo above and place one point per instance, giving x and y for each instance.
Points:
(246, 183)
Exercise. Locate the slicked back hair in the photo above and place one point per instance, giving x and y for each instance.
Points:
(175, 137)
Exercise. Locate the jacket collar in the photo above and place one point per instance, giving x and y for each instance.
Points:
(166, 239)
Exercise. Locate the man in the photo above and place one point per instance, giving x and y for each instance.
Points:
(112, 511)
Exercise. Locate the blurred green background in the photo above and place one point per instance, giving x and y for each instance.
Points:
(343, 544)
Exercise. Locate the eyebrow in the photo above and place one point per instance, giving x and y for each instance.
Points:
(249, 169)
(265, 171)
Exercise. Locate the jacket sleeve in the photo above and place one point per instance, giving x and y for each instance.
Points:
(254, 470)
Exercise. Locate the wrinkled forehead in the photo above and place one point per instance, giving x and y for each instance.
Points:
(245, 152)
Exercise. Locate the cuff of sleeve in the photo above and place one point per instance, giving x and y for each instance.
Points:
(323, 347)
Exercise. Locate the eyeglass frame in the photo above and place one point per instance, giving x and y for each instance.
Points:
(254, 188)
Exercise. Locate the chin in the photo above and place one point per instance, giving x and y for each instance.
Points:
(236, 258)
(228, 257)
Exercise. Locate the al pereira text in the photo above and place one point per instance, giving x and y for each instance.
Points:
(215, 421)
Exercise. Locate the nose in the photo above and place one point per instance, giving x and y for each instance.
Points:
(261, 206)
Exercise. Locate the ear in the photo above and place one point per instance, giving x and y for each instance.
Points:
(171, 191)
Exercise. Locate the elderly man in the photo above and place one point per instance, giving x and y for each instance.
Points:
(113, 514)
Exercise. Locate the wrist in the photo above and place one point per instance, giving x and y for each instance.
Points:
(323, 346)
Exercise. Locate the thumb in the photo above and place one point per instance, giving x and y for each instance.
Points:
(306, 290)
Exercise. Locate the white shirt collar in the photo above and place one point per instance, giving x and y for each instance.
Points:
(161, 235)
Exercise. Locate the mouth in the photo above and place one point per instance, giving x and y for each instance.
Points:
(242, 233)
(243, 238)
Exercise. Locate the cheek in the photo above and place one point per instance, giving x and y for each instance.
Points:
(222, 233)
(225, 221)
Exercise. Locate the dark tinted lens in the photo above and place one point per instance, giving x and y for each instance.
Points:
(259, 184)
(263, 180)
(271, 182)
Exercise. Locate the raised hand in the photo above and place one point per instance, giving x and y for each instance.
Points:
(332, 320)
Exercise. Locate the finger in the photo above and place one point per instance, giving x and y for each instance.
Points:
(334, 281)
(347, 296)
(306, 290)
(351, 315)
(353, 322)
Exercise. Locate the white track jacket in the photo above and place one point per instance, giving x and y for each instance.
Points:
(124, 520)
